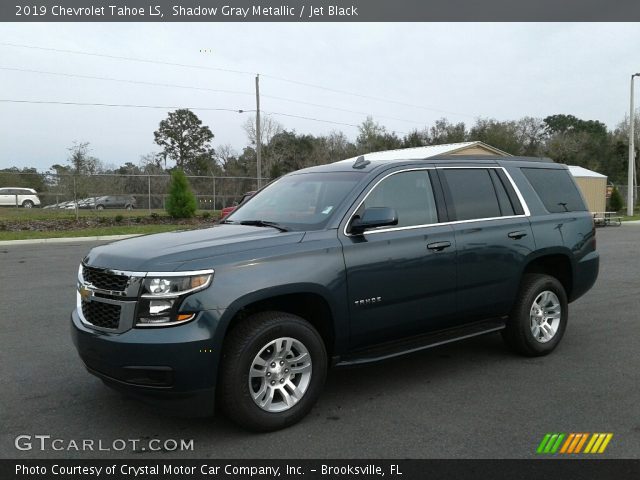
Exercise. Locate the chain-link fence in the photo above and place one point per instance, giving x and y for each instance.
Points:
(103, 191)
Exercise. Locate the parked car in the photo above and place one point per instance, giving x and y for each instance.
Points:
(116, 201)
(227, 210)
(23, 197)
(337, 265)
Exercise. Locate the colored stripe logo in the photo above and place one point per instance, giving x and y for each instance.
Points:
(573, 443)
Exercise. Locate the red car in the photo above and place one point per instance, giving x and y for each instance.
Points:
(227, 210)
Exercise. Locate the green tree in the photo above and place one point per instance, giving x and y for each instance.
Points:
(82, 163)
(615, 202)
(443, 132)
(184, 139)
(374, 137)
(181, 202)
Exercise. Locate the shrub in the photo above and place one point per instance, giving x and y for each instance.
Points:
(119, 218)
(206, 215)
(102, 220)
(615, 202)
(155, 216)
(181, 202)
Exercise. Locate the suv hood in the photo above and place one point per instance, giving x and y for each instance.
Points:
(168, 251)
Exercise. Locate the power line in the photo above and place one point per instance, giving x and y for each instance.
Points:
(206, 89)
(131, 59)
(368, 97)
(242, 72)
(320, 120)
(171, 107)
(122, 80)
(123, 105)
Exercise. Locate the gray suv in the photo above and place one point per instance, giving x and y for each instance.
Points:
(336, 265)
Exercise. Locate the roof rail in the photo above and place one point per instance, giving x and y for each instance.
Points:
(491, 157)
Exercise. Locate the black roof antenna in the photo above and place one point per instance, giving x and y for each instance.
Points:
(361, 162)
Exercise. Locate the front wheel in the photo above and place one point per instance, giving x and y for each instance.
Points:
(539, 317)
(272, 372)
(100, 207)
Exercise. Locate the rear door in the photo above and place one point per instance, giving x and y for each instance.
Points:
(493, 236)
(401, 279)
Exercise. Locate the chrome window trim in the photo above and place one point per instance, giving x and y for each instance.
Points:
(525, 207)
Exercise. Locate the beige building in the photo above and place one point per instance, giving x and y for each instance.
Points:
(593, 186)
(421, 153)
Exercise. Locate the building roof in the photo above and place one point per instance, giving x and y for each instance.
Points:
(582, 172)
(421, 153)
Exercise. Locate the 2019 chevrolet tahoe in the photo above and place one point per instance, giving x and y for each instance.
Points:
(340, 264)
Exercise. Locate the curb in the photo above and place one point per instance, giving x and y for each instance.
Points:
(35, 241)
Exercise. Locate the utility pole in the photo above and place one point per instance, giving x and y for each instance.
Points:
(632, 153)
(258, 139)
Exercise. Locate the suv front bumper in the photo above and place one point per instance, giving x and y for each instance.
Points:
(172, 366)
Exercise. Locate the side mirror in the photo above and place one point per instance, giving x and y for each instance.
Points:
(373, 217)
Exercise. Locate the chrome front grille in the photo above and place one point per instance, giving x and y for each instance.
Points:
(100, 314)
(104, 280)
(106, 299)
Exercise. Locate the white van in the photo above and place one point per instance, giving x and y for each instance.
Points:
(24, 197)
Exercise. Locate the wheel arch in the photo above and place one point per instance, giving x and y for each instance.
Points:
(556, 263)
(308, 301)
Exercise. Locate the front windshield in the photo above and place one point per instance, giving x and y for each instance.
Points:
(298, 202)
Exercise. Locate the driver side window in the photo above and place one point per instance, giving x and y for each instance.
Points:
(410, 194)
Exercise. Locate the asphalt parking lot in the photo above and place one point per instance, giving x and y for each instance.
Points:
(473, 399)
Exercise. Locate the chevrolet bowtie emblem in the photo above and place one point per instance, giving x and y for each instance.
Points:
(85, 293)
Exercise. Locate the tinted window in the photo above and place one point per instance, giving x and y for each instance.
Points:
(556, 189)
(298, 202)
(472, 194)
(410, 194)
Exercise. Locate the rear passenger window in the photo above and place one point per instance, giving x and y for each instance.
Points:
(410, 194)
(472, 194)
(556, 189)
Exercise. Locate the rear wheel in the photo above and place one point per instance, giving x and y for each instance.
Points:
(27, 204)
(100, 207)
(129, 207)
(273, 370)
(539, 317)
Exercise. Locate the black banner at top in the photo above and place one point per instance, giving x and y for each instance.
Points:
(319, 11)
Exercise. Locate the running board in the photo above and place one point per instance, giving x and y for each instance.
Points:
(415, 344)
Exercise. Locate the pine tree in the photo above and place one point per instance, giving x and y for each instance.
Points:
(181, 202)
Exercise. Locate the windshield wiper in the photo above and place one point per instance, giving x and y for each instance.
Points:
(264, 223)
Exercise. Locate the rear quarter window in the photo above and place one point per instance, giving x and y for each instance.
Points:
(556, 189)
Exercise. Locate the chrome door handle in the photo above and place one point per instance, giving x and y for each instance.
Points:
(517, 235)
(438, 246)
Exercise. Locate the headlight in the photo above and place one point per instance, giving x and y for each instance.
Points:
(162, 293)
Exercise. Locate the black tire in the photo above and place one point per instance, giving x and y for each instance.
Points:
(518, 334)
(27, 204)
(129, 207)
(99, 207)
(242, 345)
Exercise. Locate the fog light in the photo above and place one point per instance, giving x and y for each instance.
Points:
(160, 307)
